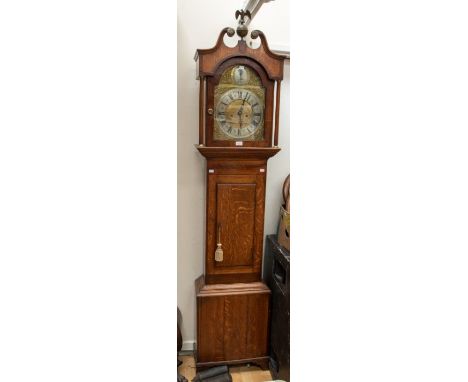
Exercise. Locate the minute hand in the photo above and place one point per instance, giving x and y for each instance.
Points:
(239, 112)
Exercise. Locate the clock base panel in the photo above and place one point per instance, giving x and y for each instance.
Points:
(232, 323)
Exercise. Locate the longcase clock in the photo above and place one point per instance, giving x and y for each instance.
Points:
(238, 132)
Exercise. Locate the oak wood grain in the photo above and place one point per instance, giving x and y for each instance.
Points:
(232, 322)
(208, 60)
(210, 311)
(277, 110)
(235, 153)
(232, 304)
(257, 331)
(235, 206)
(201, 117)
(236, 220)
(236, 313)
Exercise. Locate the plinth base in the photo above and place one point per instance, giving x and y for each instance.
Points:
(232, 324)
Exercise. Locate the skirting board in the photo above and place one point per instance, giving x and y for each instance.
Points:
(188, 346)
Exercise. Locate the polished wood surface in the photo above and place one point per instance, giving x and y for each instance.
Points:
(209, 290)
(277, 110)
(233, 305)
(235, 210)
(201, 116)
(239, 374)
(234, 153)
(232, 323)
(208, 60)
(235, 201)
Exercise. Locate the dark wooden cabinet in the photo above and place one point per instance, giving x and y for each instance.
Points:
(277, 276)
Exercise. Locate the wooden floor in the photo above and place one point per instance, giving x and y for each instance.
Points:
(239, 374)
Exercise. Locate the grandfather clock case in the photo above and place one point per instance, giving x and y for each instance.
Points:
(238, 133)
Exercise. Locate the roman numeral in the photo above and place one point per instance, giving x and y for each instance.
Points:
(257, 114)
(255, 104)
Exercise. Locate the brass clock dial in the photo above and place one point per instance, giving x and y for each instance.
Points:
(239, 113)
(239, 105)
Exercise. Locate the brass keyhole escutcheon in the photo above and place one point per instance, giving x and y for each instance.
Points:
(210, 111)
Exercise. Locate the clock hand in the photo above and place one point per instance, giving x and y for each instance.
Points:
(241, 109)
(239, 113)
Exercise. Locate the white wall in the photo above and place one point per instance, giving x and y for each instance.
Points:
(198, 26)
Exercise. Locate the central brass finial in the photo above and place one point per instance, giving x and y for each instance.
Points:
(242, 28)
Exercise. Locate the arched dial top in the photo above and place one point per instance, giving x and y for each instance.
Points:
(239, 105)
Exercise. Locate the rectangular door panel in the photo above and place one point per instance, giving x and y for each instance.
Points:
(235, 210)
(236, 223)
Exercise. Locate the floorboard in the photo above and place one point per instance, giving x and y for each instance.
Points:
(239, 374)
